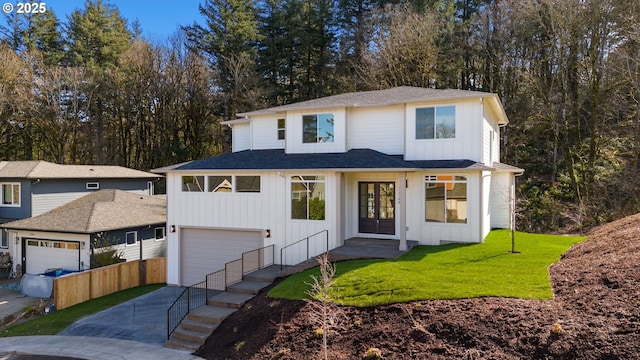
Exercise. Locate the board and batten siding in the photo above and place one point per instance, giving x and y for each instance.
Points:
(500, 199)
(269, 209)
(241, 137)
(490, 138)
(264, 133)
(293, 139)
(466, 144)
(380, 129)
(431, 233)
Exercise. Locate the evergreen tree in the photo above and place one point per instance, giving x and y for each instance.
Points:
(97, 35)
(229, 40)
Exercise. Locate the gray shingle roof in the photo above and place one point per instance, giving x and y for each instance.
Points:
(355, 159)
(393, 96)
(45, 170)
(100, 211)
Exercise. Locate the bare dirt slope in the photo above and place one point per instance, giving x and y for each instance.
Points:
(595, 315)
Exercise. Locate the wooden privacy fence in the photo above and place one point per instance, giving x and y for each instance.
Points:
(73, 289)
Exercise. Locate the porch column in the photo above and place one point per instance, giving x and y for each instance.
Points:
(402, 206)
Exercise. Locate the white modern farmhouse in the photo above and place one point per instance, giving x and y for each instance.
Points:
(405, 164)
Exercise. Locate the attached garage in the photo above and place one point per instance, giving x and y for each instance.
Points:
(204, 251)
(41, 255)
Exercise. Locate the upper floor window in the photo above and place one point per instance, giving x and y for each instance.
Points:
(249, 184)
(436, 122)
(281, 129)
(131, 237)
(446, 199)
(193, 183)
(11, 194)
(159, 233)
(317, 128)
(223, 183)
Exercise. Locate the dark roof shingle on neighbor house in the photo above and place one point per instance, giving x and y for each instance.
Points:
(103, 210)
(41, 169)
(355, 159)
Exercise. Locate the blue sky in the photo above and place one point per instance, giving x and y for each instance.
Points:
(159, 18)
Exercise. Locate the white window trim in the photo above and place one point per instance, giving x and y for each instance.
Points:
(13, 201)
(283, 129)
(317, 142)
(292, 181)
(435, 107)
(93, 185)
(164, 234)
(5, 237)
(433, 179)
(135, 235)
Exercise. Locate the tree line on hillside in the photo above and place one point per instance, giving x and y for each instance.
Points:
(91, 89)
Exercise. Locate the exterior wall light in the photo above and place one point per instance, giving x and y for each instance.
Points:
(172, 228)
(267, 233)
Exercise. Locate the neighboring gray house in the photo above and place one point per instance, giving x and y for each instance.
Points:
(31, 188)
(66, 236)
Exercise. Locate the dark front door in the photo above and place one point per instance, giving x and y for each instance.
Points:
(377, 210)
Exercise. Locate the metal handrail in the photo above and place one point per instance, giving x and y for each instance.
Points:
(193, 294)
(184, 304)
(307, 240)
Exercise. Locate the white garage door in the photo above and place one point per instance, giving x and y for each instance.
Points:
(48, 254)
(205, 251)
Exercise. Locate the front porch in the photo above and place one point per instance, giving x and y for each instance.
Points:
(369, 248)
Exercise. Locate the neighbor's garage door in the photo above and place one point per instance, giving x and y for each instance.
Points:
(204, 251)
(42, 255)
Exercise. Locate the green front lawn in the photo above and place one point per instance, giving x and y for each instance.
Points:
(57, 321)
(454, 271)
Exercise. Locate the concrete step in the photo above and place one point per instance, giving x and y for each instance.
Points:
(269, 274)
(201, 326)
(372, 243)
(229, 299)
(192, 336)
(181, 345)
(210, 314)
(248, 287)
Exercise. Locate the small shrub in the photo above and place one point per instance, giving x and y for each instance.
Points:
(556, 329)
(373, 353)
(318, 333)
(357, 323)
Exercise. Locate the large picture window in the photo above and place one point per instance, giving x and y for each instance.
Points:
(436, 122)
(11, 194)
(446, 199)
(307, 197)
(317, 128)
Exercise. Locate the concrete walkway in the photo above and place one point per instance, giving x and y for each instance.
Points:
(89, 348)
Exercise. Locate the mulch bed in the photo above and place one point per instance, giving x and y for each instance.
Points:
(595, 314)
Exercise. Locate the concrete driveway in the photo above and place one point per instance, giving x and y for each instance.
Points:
(12, 303)
(143, 319)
